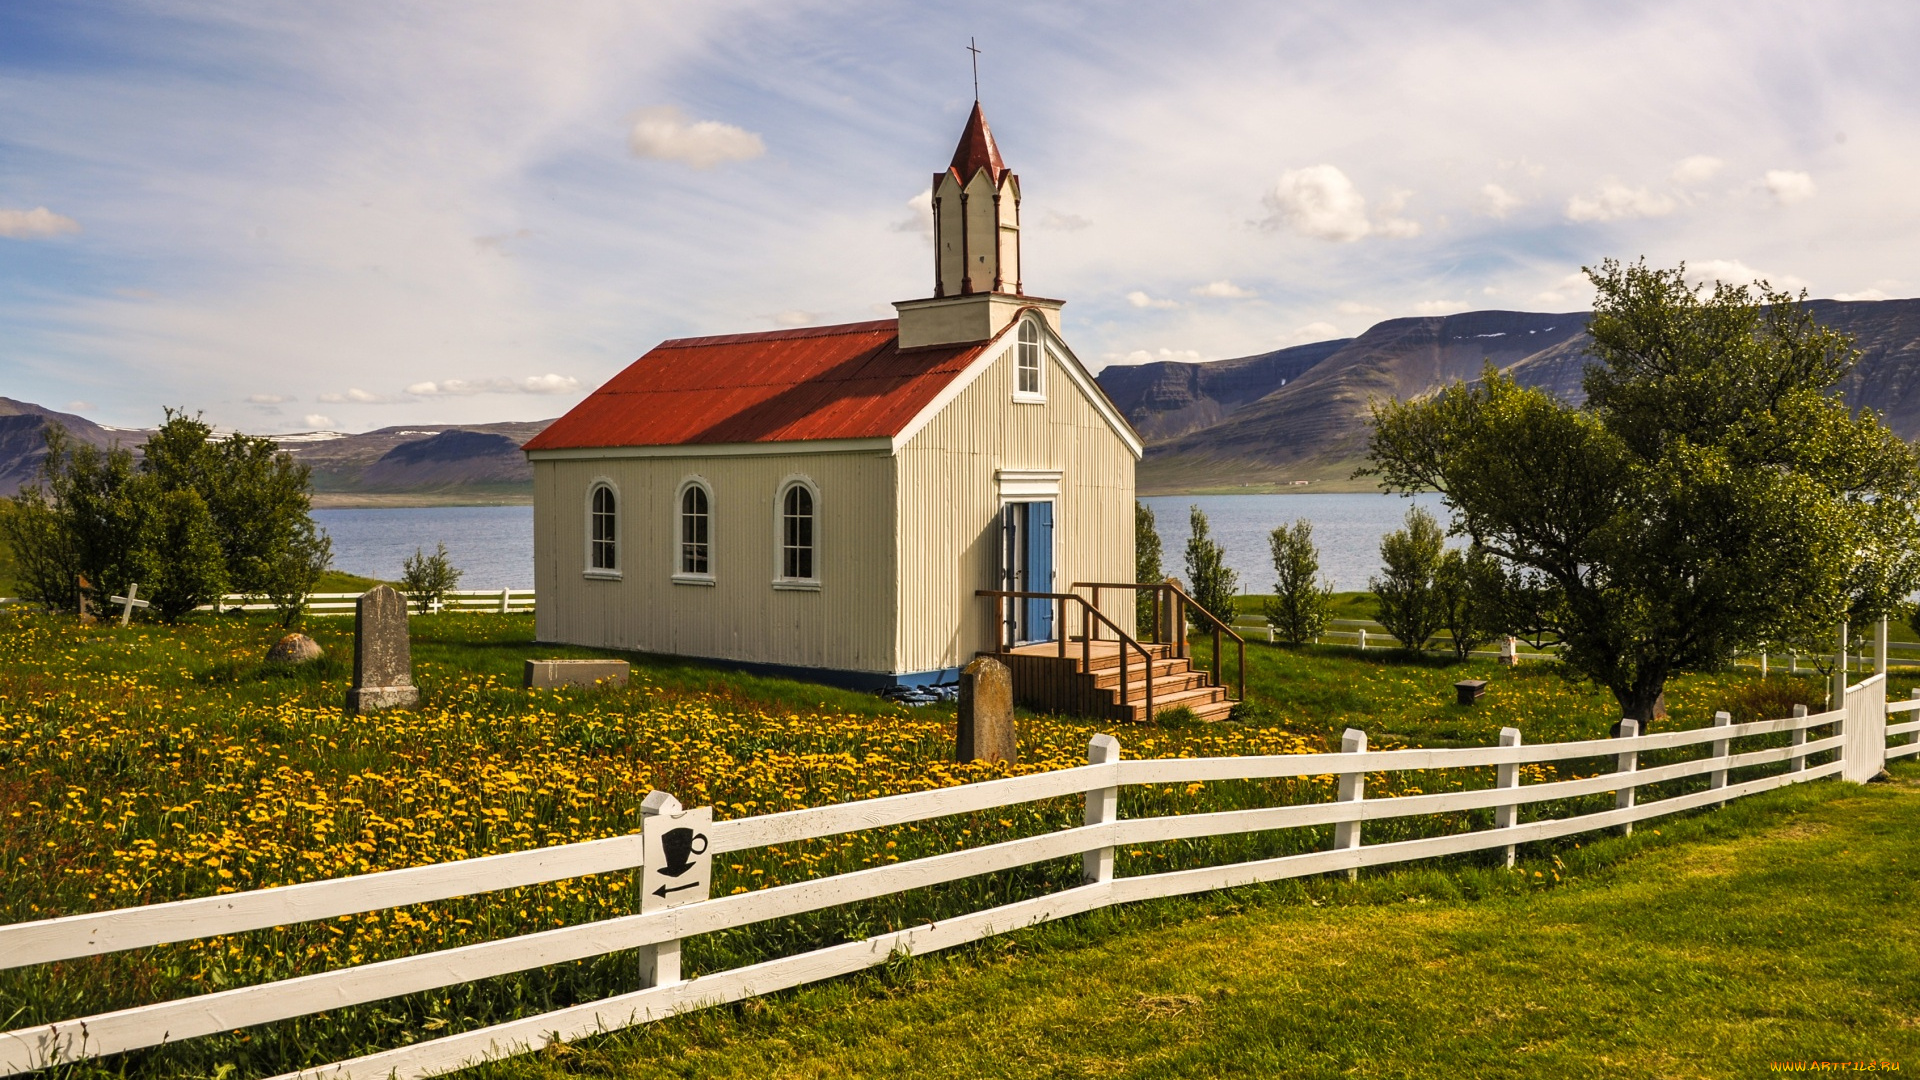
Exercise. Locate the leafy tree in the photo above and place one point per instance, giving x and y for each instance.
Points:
(1707, 497)
(427, 579)
(1302, 601)
(1410, 558)
(1213, 584)
(176, 557)
(1146, 566)
(293, 572)
(1467, 588)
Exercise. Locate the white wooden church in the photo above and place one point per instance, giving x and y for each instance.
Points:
(826, 501)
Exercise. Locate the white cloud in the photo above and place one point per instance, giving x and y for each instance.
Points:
(1789, 187)
(1697, 169)
(1318, 201)
(1616, 200)
(1054, 219)
(920, 216)
(1498, 202)
(1316, 331)
(533, 384)
(1734, 272)
(795, 317)
(267, 399)
(315, 420)
(1388, 222)
(1349, 307)
(663, 133)
(1142, 300)
(79, 406)
(1143, 356)
(37, 222)
(497, 245)
(1439, 307)
(356, 396)
(1864, 294)
(1224, 290)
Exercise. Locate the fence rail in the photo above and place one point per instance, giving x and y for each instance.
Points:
(1855, 746)
(502, 601)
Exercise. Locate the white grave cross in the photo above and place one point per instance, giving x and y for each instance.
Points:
(129, 602)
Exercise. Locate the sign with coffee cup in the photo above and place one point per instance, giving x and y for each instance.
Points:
(678, 869)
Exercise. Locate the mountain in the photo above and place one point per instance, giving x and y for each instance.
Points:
(23, 440)
(393, 465)
(1231, 431)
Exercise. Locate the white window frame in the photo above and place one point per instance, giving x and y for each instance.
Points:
(1040, 351)
(588, 570)
(682, 576)
(780, 578)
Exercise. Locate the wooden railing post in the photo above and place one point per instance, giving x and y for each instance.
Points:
(1507, 775)
(1353, 788)
(1837, 693)
(1721, 749)
(1103, 805)
(1798, 762)
(1880, 646)
(1628, 761)
(1087, 626)
(1060, 625)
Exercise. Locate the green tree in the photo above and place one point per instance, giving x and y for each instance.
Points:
(1147, 570)
(1467, 588)
(290, 574)
(1707, 497)
(1211, 582)
(176, 556)
(1410, 559)
(1302, 601)
(427, 579)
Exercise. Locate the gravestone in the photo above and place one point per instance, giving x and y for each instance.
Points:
(1468, 691)
(382, 655)
(550, 674)
(986, 713)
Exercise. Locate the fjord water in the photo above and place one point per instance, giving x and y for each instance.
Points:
(494, 544)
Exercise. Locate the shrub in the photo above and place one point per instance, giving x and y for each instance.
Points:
(1302, 601)
(1146, 566)
(427, 579)
(1410, 559)
(1212, 583)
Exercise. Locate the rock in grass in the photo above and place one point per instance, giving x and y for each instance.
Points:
(295, 649)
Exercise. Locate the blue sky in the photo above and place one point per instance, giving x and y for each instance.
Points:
(351, 215)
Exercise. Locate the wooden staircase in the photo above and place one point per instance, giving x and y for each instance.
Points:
(1045, 681)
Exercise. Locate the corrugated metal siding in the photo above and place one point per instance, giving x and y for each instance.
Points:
(848, 625)
(950, 504)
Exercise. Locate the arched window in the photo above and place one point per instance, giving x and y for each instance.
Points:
(1027, 378)
(695, 530)
(796, 534)
(603, 529)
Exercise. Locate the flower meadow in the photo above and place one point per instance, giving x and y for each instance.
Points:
(148, 764)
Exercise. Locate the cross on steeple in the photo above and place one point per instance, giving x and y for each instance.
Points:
(976, 69)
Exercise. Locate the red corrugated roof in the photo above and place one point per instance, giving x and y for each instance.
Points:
(823, 382)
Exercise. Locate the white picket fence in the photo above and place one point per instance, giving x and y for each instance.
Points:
(1859, 743)
(501, 601)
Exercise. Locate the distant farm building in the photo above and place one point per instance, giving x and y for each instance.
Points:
(826, 501)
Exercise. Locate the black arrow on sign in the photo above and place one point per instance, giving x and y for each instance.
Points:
(662, 891)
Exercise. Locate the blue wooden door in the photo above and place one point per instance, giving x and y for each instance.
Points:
(1039, 560)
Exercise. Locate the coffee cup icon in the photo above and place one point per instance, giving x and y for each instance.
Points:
(678, 844)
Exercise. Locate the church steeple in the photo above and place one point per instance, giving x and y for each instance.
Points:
(977, 289)
(976, 217)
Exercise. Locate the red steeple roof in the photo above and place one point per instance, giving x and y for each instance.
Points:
(977, 151)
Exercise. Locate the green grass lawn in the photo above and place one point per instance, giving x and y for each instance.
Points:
(1780, 929)
(152, 763)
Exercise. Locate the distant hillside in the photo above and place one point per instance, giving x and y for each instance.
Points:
(23, 439)
(394, 465)
(1312, 425)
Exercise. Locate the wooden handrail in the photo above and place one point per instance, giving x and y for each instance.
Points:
(1088, 612)
(1183, 600)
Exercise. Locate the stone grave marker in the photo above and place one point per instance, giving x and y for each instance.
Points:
(382, 653)
(551, 674)
(986, 730)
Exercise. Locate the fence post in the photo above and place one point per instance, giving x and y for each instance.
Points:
(1763, 663)
(506, 598)
(1837, 693)
(1103, 805)
(674, 872)
(1798, 762)
(1721, 749)
(1915, 737)
(1880, 646)
(1363, 638)
(1507, 776)
(1628, 761)
(1353, 788)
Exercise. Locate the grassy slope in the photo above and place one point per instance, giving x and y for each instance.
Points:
(1778, 929)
